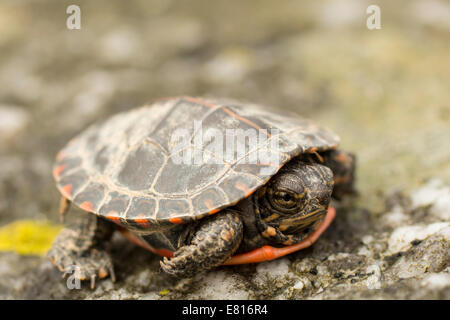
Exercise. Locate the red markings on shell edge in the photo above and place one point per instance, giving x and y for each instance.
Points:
(243, 188)
(213, 211)
(87, 206)
(66, 190)
(176, 220)
(143, 222)
(112, 215)
(58, 170)
(231, 113)
(209, 204)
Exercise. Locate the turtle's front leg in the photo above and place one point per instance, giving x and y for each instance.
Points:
(214, 241)
(81, 247)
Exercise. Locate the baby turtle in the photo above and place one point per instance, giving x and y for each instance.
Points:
(159, 174)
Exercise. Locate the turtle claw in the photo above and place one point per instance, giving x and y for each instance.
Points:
(93, 281)
(64, 206)
(112, 275)
(103, 272)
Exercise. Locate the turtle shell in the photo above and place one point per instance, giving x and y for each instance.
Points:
(124, 168)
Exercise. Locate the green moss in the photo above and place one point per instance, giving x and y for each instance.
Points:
(28, 237)
(164, 292)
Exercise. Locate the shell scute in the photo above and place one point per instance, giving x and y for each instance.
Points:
(140, 168)
(66, 165)
(174, 209)
(76, 181)
(141, 208)
(208, 201)
(115, 204)
(90, 197)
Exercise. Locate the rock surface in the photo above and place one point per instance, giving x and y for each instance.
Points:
(385, 92)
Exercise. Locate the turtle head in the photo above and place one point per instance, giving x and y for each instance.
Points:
(294, 201)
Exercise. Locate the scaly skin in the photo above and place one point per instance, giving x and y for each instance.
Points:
(215, 240)
(81, 246)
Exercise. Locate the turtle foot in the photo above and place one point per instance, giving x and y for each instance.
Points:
(215, 240)
(89, 265)
(80, 250)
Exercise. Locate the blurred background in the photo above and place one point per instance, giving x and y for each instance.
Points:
(385, 92)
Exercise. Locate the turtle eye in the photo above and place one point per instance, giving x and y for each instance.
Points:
(285, 199)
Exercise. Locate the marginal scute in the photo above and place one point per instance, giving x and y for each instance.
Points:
(131, 155)
(261, 163)
(115, 202)
(208, 201)
(93, 194)
(76, 180)
(238, 186)
(66, 165)
(172, 208)
(141, 207)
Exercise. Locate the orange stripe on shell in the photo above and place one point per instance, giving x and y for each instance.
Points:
(66, 190)
(176, 220)
(254, 125)
(213, 211)
(113, 215)
(87, 206)
(209, 204)
(143, 221)
(199, 101)
(58, 170)
(243, 188)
